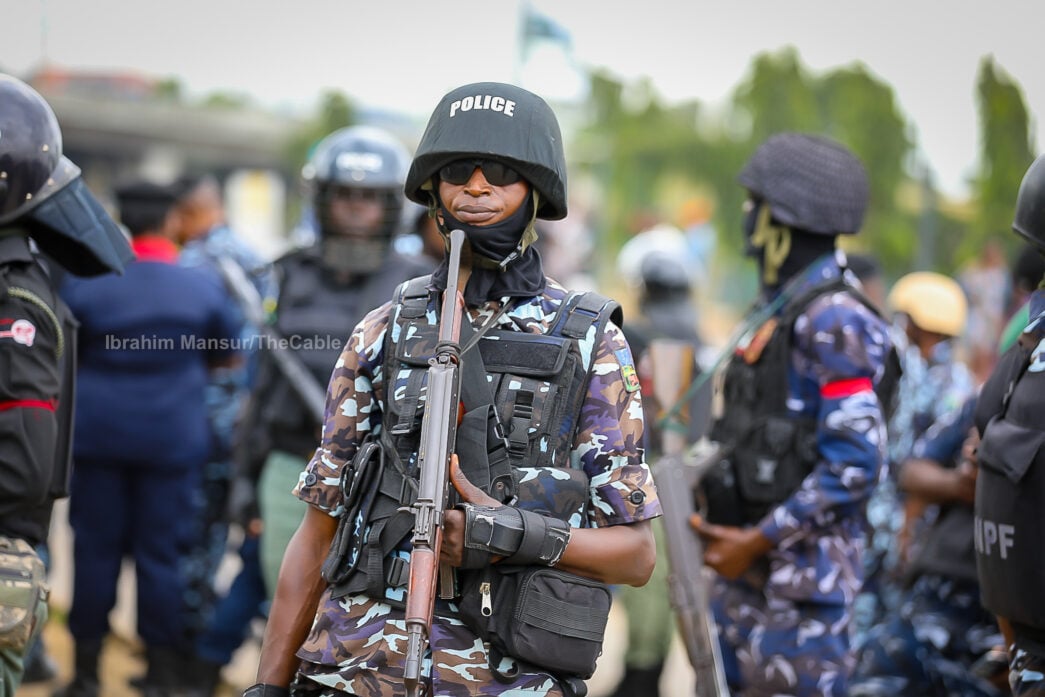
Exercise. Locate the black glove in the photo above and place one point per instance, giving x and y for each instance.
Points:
(522, 536)
(263, 690)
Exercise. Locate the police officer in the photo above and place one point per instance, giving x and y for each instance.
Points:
(802, 427)
(938, 631)
(929, 314)
(147, 342)
(43, 201)
(1009, 524)
(354, 180)
(490, 162)
(666, 311)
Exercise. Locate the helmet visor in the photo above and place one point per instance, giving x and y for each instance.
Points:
(63, 174)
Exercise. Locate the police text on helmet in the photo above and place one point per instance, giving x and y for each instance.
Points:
(483, 101)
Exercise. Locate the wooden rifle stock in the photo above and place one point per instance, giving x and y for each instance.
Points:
(677, 474)
(438, 439)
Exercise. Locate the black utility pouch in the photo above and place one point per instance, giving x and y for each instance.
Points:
(541, 616)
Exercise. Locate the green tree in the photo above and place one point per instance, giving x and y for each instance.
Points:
(335, 111)
(778, 95)
(861, 111)
(1005, 154)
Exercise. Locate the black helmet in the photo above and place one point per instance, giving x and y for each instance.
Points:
(810, 183)
(499, 122)
(664, 273)
(32, 168)
(1029, 221)
(359, 157)
(42, 190)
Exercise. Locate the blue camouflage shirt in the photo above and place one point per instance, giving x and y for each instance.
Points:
(838, 355)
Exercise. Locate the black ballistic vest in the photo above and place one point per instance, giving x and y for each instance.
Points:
(770, 450)
(1009, 527)
(522, 395)
(316, 315)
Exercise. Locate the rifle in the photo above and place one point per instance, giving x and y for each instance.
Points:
(312, 394)
(677, 474)
(438, 440)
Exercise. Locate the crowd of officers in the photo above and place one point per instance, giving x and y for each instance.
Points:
(872, 522)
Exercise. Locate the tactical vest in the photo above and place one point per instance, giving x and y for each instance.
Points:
(522, 394)
(1010, 490)
(770, 449)
(28, 281)
(316, 315)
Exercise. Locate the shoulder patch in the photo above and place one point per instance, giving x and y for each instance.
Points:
(627, 369)
(22, 331)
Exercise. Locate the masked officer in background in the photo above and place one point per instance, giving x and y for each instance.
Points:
(1009, 523)
(355, 181)
(43, 200)
(550, 365)
(802, 427)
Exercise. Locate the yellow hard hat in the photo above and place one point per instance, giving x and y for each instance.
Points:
(934, 302)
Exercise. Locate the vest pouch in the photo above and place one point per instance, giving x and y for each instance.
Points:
(22, 588)
(1010, 495)
(537, 615)
(773, 463)
(1009, 448)
(947, 548)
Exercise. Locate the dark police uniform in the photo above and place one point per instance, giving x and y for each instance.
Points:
(315, 313)
(37, 350)
(1010, 495)
(37, 344)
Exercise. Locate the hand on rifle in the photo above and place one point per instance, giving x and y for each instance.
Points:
(454, 520)
(730, 550)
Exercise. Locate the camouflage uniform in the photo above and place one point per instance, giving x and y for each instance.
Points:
(356, 644)
(939, 629)
(1027, 675)
(929, 391)
(784, 626)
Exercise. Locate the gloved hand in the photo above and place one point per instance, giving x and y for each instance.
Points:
(482, 531)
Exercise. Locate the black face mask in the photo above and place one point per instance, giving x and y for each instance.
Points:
(805, 248)
(501, 269)
(498, 242)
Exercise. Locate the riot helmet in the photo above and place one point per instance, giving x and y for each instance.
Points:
(934, 302)
(43, 192)
(805, 190)
(494, 121)
(354, 180)
(809, 182)
(1029, 221)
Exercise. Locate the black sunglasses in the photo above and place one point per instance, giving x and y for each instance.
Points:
(459, 172)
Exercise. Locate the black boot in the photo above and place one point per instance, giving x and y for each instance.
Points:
(85, 678)
(640, 682)
(165, 675)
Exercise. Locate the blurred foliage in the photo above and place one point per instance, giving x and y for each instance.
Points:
(647, 156)
(1005, 154)
(335, 111)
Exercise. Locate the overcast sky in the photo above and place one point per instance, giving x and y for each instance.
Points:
(405, 54)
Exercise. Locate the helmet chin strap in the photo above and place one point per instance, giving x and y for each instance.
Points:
(775, 243)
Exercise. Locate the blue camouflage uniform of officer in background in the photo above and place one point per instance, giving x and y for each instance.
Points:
(804, 428)
(929, 312)
(939, 630)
